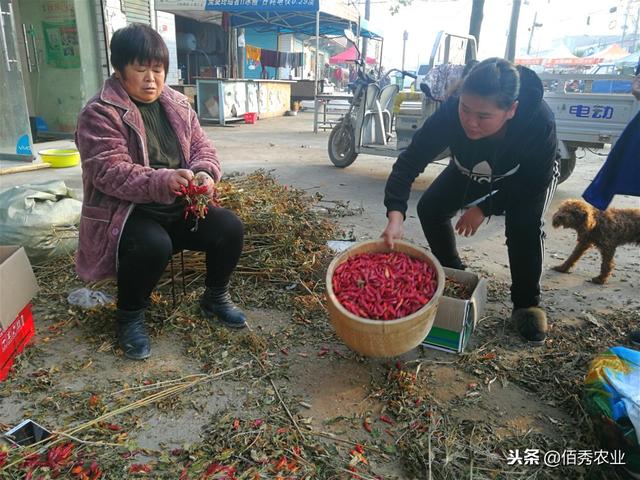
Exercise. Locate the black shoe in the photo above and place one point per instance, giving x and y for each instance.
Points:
(216, 302)
(131, 334)
(531, 324)
(455, 264)
(634, 336)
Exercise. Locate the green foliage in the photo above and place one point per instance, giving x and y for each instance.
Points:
(396, 4)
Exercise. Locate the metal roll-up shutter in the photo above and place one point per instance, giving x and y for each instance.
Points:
(137, 11)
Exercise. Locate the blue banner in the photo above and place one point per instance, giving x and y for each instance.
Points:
(263, 5)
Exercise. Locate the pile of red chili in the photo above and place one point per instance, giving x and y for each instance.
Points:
(384, 286)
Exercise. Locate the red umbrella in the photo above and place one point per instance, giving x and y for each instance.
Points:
(349, 55)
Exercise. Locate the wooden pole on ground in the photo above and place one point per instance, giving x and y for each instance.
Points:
(24, 168)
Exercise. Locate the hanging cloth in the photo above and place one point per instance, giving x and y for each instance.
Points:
(253, 53)
(298, 60)
(285, 59)
(269, 58)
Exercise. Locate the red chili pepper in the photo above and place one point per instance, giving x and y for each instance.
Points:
(77, 469)
(282, 463)
(367, 426)
(140, 468)
(385, 419)
(197, 200)
(383, 286)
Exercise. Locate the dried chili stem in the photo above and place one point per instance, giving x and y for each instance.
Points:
(275, 389)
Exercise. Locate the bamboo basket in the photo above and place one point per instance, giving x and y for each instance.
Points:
(383, 338)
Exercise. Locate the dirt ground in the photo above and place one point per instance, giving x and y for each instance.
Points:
(478, 388)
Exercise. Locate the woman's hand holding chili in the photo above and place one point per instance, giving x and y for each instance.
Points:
(394, 229)
(203, 178)
(180, 177)
(470, 221)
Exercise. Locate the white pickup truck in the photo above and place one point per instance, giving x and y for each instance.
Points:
(583, 118)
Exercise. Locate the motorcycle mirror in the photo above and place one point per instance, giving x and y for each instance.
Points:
(348, 33)
(424, 88)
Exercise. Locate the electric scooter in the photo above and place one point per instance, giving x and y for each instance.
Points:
(376, 123)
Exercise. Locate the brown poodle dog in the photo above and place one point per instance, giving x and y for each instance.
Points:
(605, 230)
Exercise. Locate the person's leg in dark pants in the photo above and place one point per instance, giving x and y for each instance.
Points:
(143, 253)
(220, 235)
(525, 243)
(448, 193)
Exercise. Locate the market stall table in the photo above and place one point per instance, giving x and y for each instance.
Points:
(223, 100)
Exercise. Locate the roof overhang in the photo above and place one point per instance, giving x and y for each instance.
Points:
(296, 16)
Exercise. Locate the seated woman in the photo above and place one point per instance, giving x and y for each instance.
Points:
(139, 142)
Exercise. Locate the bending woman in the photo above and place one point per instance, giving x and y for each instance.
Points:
(503, 142)
(139, 142)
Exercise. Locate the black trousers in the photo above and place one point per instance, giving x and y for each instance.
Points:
(451, 191)
(147, 244)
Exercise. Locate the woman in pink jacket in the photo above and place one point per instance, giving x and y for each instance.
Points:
(140, 141)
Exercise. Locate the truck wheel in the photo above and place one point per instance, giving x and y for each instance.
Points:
(567, 165)
(342, 145)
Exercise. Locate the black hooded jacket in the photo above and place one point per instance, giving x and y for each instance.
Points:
(517, 166)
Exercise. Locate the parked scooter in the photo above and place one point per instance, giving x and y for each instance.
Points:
(369, 125)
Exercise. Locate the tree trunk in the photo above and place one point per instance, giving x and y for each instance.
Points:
(510, 52)
(475, 24)
(365, 40)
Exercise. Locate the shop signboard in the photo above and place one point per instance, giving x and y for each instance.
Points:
(263, 5)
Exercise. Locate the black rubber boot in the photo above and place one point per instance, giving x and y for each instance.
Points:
(458, 265)
(634, 336)
(132, 336)
(531, 324)
(216, 302)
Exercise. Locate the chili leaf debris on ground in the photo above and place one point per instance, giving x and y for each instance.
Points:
(247, 394)
(456, 289)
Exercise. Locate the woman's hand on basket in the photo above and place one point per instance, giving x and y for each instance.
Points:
(394, 229)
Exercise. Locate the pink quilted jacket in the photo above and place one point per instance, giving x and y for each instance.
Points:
(115, 169)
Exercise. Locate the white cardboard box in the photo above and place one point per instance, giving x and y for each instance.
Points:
(456, 319)
(18, 284)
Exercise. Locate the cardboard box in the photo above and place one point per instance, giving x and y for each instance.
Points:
(18, 285)
(457, 319)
